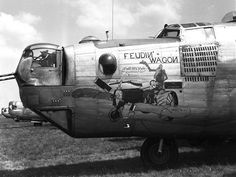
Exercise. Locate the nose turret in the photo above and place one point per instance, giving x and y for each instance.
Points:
(39, 65)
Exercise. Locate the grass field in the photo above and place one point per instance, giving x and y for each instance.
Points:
(27, 151)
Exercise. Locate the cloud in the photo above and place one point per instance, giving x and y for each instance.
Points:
(96, 16)
(28, 18)
(16, 32)
(129, 16)
(164, 10)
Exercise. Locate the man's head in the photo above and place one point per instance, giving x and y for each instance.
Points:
(44, 53)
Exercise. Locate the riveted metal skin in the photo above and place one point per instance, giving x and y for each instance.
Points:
(180, 84)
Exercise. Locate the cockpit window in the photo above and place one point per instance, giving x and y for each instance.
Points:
(41, 65)
(43, 57)
(169, 33)
(199, 35)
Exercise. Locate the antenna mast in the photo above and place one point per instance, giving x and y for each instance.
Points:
(112, 15)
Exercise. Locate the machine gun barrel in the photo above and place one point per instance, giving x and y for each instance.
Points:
(9, 78)
(5, 77)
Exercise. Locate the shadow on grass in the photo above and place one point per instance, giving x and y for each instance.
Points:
(15, 127)
(124, 139)
(215, 155)
(138, 148)
(221, 154)
(111, 167)
(48, 126)
(230, 175)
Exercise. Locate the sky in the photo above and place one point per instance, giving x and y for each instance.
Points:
(66, 22)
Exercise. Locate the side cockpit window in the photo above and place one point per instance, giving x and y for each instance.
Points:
(199, 35)
(44, 58)
(169, 33)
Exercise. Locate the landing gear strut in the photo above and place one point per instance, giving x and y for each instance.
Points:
(159, 153)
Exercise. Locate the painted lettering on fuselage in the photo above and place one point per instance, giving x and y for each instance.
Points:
(153, 57)
(164, 59)
(134, 69)
(140, 55)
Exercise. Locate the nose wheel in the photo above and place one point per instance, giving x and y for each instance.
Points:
(159, 153)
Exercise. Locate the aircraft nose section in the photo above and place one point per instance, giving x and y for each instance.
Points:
(23, 72)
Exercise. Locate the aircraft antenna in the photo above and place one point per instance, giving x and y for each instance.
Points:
(112, 19)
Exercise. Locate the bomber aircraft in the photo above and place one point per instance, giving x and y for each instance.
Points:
(5, 113)
(20, 113)
(179, 85)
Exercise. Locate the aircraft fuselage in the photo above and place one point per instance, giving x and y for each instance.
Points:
(113, 88)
